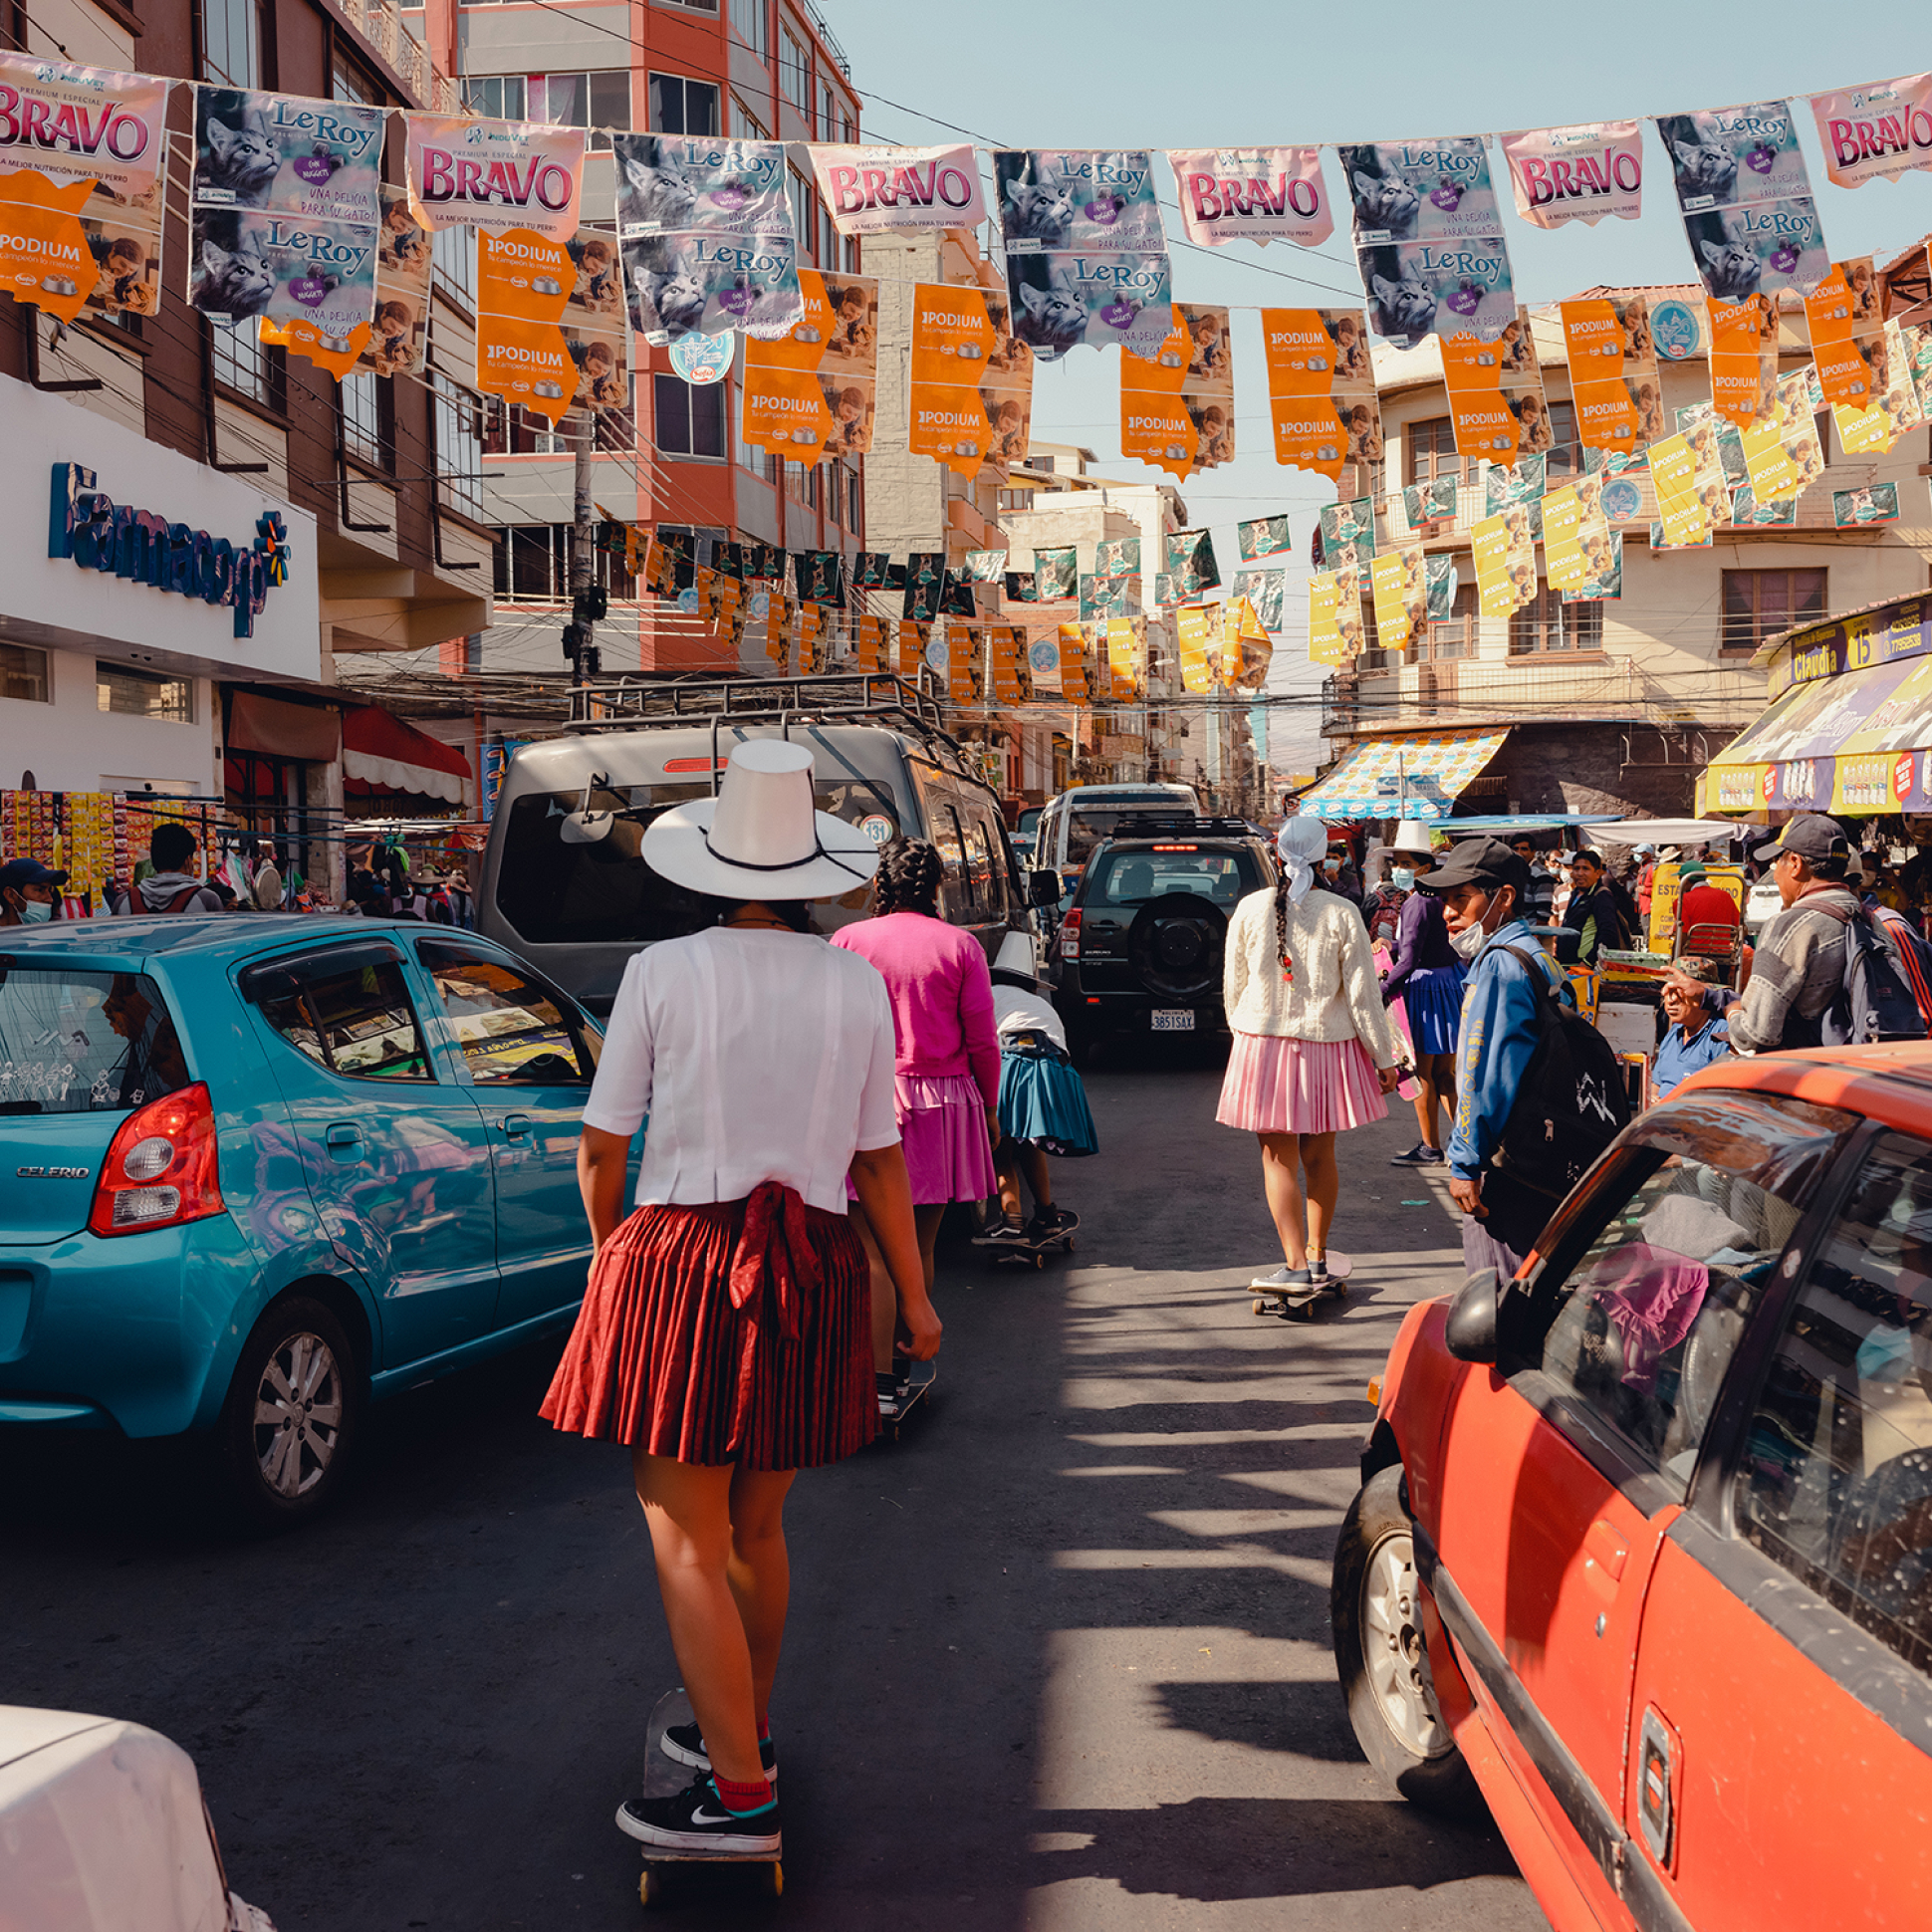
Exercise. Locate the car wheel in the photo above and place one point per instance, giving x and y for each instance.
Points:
(1379, 1654)
(293, 1414)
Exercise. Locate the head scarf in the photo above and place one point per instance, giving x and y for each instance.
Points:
(1302, 844)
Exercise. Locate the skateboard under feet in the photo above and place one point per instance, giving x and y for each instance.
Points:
(666, 1869)
(1032, 1254)
(1300, 1305)
(920, 1376)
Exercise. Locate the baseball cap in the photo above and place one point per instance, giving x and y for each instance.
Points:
(17, 872)
(1691, 876)
(1810, 836)
(1476, 862)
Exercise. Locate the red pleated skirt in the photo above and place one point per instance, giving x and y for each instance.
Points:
(661, 1358)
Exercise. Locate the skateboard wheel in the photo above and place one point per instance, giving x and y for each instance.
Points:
(1261, 1306)
(775, 1884)
(650, 1889)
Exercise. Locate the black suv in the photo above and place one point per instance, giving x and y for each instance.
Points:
(1140, 947)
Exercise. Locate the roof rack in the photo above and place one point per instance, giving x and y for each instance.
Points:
(1162, 824)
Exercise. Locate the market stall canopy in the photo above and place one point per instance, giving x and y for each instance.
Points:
(277, 729)
(1416, 774)
(1664, 832)
(381, 754)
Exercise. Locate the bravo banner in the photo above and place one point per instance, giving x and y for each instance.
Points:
(1177, 406)
(74, 139)
(1430, 239)
(286, 198)
(1258, 194)
(1745, 198)
(1613, 381)
(814, 393)
(1321, 388)
(495, 174)
(1875, 132)
(1086, 259)
(971, 397)
(535, 346)
(708, 243)
(872, 190)
(1582, 174)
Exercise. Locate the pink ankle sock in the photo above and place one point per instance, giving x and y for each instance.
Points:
(741, 1798)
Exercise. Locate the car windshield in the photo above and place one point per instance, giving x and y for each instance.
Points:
(1087, 826)
(84, 1043)
(552, 894)
(1137, 874)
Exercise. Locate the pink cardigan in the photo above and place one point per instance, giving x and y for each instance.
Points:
(941, 993)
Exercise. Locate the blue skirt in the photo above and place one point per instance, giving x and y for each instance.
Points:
(1041, 1100)
(1433, 996)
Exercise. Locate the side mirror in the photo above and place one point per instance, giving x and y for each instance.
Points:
(585, 827)
(1043, 888)
(1470, 1330)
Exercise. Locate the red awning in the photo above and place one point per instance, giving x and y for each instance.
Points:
(279, 729)
(381, 753)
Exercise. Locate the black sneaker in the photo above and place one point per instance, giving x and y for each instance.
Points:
(1420, 1155)
(698, 1820)
(891, 1398)
(684, 1745)
(1002, 1234)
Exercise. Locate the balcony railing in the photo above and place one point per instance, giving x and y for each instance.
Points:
(381, 26)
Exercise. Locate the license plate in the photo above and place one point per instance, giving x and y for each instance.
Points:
(1168, 1019)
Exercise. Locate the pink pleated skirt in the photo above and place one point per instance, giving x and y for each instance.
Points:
(1277, 1086)
(942, 1127)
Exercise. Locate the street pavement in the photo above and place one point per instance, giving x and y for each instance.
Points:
(1060, 1660)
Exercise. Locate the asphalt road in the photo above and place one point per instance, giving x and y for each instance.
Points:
(1058, 1661)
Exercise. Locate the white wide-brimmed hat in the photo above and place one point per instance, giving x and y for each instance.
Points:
(1412, 837)
(1016, 956)
(760, 838)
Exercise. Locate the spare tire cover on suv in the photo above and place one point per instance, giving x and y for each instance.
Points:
(1174, 948)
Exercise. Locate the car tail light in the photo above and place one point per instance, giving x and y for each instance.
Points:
(161, 1168)
(1070, 936)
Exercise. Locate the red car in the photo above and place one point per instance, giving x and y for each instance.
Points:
(1642, 1556)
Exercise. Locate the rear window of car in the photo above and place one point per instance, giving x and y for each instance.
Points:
(1087, 826)
(85, 1043)
(552, 894)
(1132, 876)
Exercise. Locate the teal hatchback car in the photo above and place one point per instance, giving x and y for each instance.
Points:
(254, 1171)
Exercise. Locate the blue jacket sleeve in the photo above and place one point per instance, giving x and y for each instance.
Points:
(1499, 1033)
(1403, 961)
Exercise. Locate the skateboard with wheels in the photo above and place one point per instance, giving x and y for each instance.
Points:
(919, 1376)
(1300, 1305)
(666, 1869)
(1033, 1254)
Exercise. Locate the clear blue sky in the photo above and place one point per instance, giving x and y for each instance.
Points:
(1132, 73)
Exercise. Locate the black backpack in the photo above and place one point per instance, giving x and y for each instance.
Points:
(1873, 1001)
(1573, 1101)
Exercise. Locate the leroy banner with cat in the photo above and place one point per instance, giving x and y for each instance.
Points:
(74, 139)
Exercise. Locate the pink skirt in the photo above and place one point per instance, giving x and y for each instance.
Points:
(942, 1124)
(1278, 1085)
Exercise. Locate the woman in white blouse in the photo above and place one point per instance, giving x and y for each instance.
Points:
(725, 1334)
(1313, 1052)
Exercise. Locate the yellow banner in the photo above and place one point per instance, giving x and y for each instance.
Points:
(1126, 653)
(1401, 597)
(1072, 665)
(1247, 649)
(815, 392)
(1321, 398)
(971, 384)
(1196, 631)
(1673, 473)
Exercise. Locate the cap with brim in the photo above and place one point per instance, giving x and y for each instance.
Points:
(1476, 862)
(1810, 836)
(18, 872)
(760, 838)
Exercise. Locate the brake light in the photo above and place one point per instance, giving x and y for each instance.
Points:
(1177, 848)
(693, 765)
(161, 1168)
(1070, 936)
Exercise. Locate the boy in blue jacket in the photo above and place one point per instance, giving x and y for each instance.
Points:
(1482, 884)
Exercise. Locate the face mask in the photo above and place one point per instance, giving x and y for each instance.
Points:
(1404, 880)
(1469, 941)
(1332, 866)
(33, 912)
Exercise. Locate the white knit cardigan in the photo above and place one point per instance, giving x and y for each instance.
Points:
(1333, 995)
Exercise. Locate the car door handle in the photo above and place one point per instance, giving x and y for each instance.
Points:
(517, 1126)
(1606, 1552)
(343, 1140)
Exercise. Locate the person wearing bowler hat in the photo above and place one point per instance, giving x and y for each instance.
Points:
(1426, 975)
(725, 1333)
(1481, 886)
(30, 892)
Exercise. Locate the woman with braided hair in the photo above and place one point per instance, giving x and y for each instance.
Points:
(1313, 1052)
(947, 1070)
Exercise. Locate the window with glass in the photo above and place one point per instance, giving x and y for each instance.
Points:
(687, 421)
(1549, 625)
(144, 694)
(496, 97)
(749, 455)
(23, 674)
(600, 101)
(836, 492)
(1136, 876)
(1637, 1332)
(351, 83)
(827, 238)
(348, 1010)
(1835, 1480)
(1430, 448)
(1758, 604)
(850, 247)
(746, 125)
(1453, 636)
(231, 43)
(85, 1043)
(1565, 456)
(239, 359)
(683, 107)
(799, 190)
(793, 71)
(452, 253)
(751, 21)
(358, 395)
(855, 501)
(459, 448)
(509, 1029)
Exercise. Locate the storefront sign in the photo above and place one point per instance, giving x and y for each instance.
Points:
(101, 534)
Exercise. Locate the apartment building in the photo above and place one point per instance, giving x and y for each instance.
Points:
(110, 684)
(1612, 706)
(755, 69)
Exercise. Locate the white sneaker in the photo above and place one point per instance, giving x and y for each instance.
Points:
(1284, 1281)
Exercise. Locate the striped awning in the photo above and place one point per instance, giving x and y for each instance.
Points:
(1414, 774)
